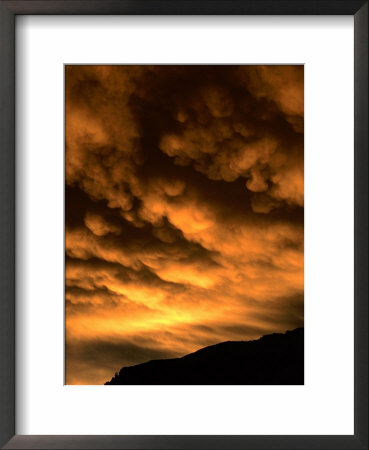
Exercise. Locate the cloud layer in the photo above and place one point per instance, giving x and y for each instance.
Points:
(184, 210)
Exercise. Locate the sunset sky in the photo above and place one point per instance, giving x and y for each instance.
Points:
(184, 210)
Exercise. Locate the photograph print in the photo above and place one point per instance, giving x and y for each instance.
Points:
(184, 224)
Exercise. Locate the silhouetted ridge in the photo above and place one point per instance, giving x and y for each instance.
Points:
(273, 359)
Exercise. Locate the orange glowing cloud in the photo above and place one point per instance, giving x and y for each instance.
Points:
(184, 210)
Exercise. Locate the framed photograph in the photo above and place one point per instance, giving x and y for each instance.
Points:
(184, 224)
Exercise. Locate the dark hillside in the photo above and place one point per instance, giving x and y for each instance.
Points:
(272, 359)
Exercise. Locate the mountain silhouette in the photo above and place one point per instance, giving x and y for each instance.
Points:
(273, 359)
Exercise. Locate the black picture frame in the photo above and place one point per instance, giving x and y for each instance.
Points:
(8, 11)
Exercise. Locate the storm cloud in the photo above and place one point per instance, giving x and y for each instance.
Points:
(184, 210)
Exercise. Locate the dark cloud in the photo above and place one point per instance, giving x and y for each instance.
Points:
(95, 360)
(184, 207)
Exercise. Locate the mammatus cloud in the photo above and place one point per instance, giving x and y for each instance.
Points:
(184, 210)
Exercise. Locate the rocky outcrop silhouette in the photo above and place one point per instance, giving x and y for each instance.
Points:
(274, 359)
